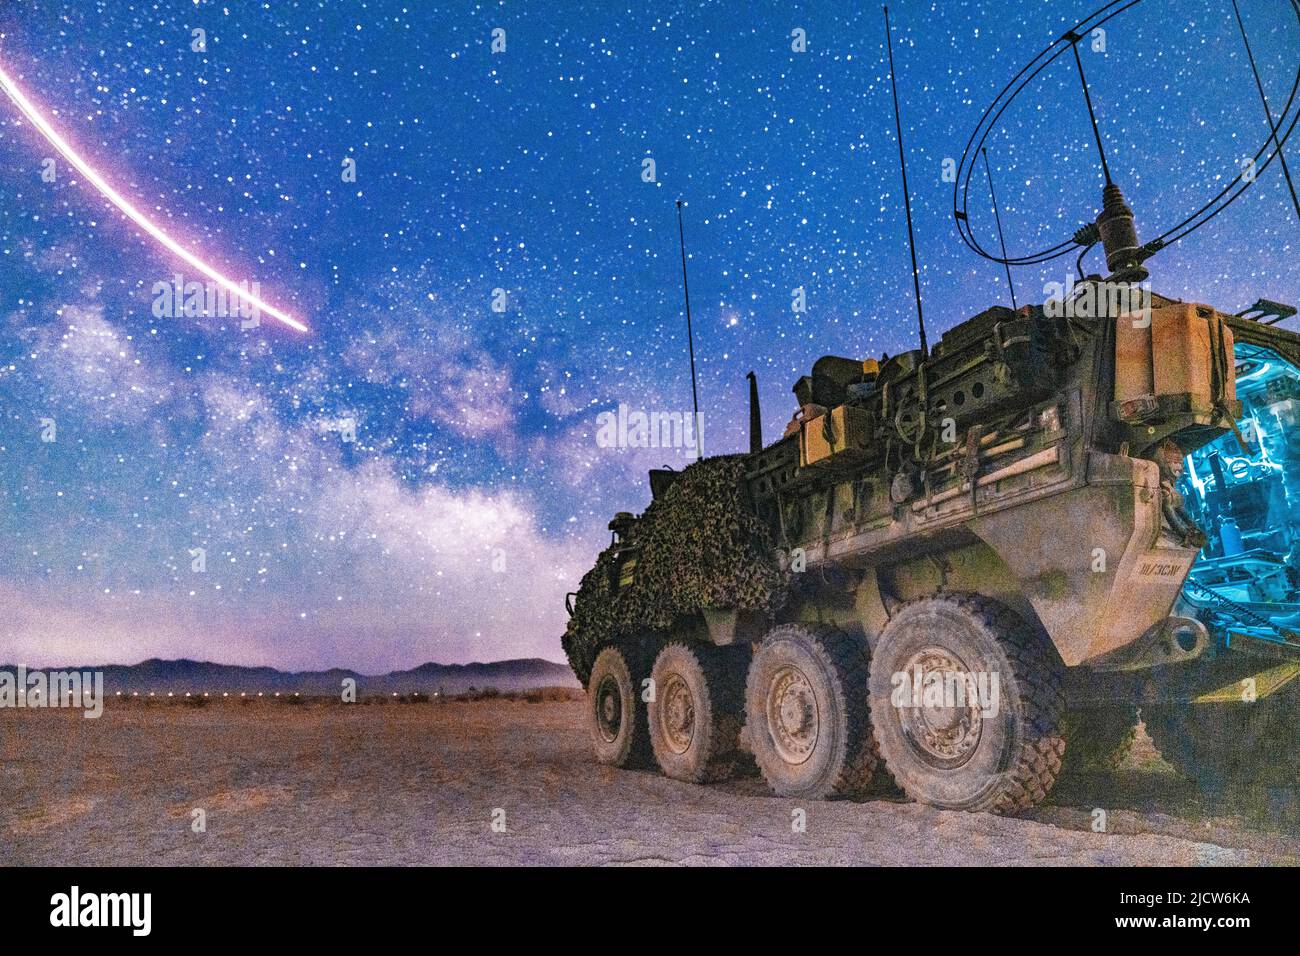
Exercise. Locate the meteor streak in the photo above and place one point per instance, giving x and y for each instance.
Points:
(112, 195)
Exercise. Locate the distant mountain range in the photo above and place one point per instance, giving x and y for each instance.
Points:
(186, 676)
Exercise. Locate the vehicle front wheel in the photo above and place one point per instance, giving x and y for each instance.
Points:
(966, 705)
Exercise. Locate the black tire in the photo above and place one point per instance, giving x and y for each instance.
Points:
(808, 721)
(1097, 738)
(697, 710)
(616, 715)
(1222, 745)
(1002, 758)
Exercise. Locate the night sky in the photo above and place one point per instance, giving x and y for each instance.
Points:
(475, 493)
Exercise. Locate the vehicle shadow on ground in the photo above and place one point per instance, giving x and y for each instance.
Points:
(1144, 796)
(1157, 791)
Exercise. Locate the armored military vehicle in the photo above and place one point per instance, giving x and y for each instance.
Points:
(960, 567)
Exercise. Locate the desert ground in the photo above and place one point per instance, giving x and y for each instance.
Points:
(424, 783)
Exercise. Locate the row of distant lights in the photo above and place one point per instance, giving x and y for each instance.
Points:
(206, 694)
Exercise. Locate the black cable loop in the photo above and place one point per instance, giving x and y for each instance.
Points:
(1090, 23)
(1289, 118)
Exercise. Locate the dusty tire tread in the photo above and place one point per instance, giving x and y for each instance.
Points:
(1039, 674)
(847, 660)
(1041, 750)
(724, 676)
(640, 754)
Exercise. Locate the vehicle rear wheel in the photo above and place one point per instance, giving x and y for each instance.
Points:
(807, 715)
(988, 738)
(1097, 738)
(1224, 744)
(616, 715)
(697, 710)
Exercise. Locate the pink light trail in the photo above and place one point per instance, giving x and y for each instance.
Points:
(112, 195)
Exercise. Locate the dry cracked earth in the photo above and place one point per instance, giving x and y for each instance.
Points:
(420, 784)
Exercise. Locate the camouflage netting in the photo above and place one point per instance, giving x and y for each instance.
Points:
(699, 545)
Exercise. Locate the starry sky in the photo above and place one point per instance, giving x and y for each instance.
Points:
(475, 493)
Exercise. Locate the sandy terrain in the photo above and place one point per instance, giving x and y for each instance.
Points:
(418, 783)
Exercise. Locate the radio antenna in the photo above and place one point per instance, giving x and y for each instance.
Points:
(997, 216)
(690, 334)
(1074, 39)
(907, 199)
(1268, 110)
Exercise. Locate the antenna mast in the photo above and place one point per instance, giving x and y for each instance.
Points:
(690, 334)
(1268, 110)
(1001, 239)
(907, 199)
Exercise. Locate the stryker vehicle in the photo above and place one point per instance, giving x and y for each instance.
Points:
(960, 568)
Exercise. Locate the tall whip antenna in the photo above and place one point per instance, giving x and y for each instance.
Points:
(1001, 239)
(1074, 39)
(690, 334)
(1268, 110)
(907, 199)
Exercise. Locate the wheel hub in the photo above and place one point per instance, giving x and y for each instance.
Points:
(609, 709)
(792, 715)
(945, 723)
(677, 714)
